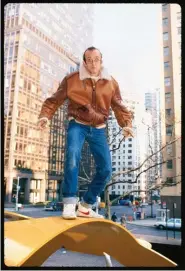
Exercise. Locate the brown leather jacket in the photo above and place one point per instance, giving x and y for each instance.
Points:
(88, 101)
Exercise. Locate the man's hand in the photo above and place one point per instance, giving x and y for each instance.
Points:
(42, 123)
(127, 132)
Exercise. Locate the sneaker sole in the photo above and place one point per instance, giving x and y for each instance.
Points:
(69, 218)
(81, 215)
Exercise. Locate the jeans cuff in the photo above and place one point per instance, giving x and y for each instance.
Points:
(68, 200)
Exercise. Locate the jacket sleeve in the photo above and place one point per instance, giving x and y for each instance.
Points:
(123, 115)
(52, 103)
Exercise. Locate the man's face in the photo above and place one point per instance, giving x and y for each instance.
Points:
(93, 62)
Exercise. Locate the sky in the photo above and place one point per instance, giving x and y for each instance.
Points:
(129, 37)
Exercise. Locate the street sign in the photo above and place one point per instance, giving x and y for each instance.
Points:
(175, 205)
(164, 204)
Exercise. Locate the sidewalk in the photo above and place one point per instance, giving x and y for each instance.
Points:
(143, 222)
(159, 239)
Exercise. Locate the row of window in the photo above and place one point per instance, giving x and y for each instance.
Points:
(114, 152)
(36, 164)
(129, 145)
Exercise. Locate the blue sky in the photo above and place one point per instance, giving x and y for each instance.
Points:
(129, 37)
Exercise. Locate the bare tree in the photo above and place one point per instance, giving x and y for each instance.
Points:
(141, 171)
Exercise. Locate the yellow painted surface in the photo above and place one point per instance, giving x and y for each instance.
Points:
(30, 242)
(15, 216)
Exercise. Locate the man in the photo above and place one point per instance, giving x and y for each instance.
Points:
(123, 220)
(90, 93)
(114, 217)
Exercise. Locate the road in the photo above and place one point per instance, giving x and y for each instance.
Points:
(73, 259)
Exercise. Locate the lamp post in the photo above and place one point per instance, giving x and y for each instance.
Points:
(17, 195)
(151, 205)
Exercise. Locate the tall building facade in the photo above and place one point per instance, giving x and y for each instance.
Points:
(128, 153)
(43, 42)
(152, 105)
(171, 106)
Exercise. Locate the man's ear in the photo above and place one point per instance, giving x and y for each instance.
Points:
(84, 63)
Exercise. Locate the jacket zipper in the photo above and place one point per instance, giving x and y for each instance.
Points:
(94, 96)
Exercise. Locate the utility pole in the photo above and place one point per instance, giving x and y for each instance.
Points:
(151, 205)
(17, 195)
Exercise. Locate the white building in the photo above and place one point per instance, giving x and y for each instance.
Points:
(152, 105)
(132, 151)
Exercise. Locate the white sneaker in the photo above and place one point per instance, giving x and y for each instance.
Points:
(69, 211)
(87, 212)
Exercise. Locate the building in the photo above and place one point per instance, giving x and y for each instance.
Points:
(128, 153)
(43, 42)
(152, 105)
(171, 106)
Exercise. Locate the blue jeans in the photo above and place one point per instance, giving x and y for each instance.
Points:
(96, 138)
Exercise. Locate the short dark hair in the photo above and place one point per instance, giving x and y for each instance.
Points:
(90, 49)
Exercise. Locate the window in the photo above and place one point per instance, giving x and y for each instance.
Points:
(165, 36)
(167, 81)
(166, 65)
(129, 163)
(118, 186)
(130, 145)
(129, 186)
(165, 21)
(167, 97)
(179, 30)
(129, 151)
(169, 180)
(168, 112)
(129, 180)
(169, 164)
(113, 186)
(166, 51)
(164, 7)
(114, 169)
(123, 187)
(129, 175)
(130, 139)
(169, 130)
(169, 149)
(129, 157)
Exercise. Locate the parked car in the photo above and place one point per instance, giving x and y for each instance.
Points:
(125, 202)
(171, 224)
(54, 206)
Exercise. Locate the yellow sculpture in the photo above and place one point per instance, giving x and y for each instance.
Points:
(30, 241)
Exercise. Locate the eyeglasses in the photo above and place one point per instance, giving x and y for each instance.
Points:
(90, 61)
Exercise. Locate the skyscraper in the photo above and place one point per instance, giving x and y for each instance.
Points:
(152, 105)
(171, 105)
(128, 153)
(43, 42)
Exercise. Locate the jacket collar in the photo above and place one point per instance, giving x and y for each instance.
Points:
(83, 73)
